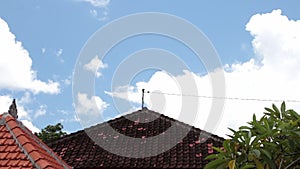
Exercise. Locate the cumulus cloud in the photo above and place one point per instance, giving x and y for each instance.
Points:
(16, 66)
(272, 74)
(95, 65)
(5, 101)
(41, 111)
(102, 16)
(89, 110)
(159, 82)
(67, 81)
(100, 11)
(93, 105)
(59, 52)
(30, 126)
(26, 99)
(94, 12)
(98, 3)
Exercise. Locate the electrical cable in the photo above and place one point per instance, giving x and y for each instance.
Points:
(228, 98)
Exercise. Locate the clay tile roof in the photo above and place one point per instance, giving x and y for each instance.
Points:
(19, 148)
(80, 151)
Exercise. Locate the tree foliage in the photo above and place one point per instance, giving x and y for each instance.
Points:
(51, 133)
(273, 141)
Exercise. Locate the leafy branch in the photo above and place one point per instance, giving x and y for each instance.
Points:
(273, 141)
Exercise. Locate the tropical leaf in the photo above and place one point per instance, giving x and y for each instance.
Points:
(247, 166)
(282, 107)
(216, 164)
(231, 164)
(269, 142)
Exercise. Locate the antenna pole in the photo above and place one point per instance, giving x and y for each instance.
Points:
(143, 93)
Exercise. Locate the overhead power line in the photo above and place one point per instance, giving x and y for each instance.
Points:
(227, 98)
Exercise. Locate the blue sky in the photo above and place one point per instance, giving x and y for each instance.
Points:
(252, 39)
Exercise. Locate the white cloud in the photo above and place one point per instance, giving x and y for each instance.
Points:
(43, 50)
(160, 81)
(15, 66)
(5, 102)
(98, 3)
(93, 105)
(41, 111)
(94, 12)
(59, 52)
(27, 98)
(30, 126)
(75, 119)
(271, 75)
(95, 65)
(67, 81)
(101, 8)
(99, 16)
(89, 110)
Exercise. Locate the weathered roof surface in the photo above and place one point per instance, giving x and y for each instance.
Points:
(80, 151)
(19, 148)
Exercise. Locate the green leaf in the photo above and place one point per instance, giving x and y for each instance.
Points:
(212, 156)
(282, 107)
(266, 123)
(269, 110)
(218, 149)
(226, 145)
(266, 153)
(259, 128)
(266, 143)
(244, 128)
(276, 110)
(294, 114)
(259, 165)
(248, 166)
(269, 144)
(215, 164)
(232, 130)
(256, 152)
(254, 118)
(231, 164)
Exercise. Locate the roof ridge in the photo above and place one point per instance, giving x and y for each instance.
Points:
(44, 146)
(18, 143)
(190, 149)
(118, 118)
(100, 124)
(38, 153)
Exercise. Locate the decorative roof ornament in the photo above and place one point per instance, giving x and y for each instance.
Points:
(13, 109)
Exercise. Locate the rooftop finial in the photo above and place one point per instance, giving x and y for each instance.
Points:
(13, 109)
(143, 93)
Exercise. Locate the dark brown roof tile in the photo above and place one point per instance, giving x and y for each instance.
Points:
(80, 151)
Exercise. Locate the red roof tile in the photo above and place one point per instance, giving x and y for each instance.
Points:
(80, 151)
(19, 148)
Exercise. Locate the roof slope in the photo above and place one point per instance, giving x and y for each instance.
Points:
(19, 148)
(79, 151)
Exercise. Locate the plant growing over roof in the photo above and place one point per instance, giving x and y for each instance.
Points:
(273, 141)
(51, 133)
